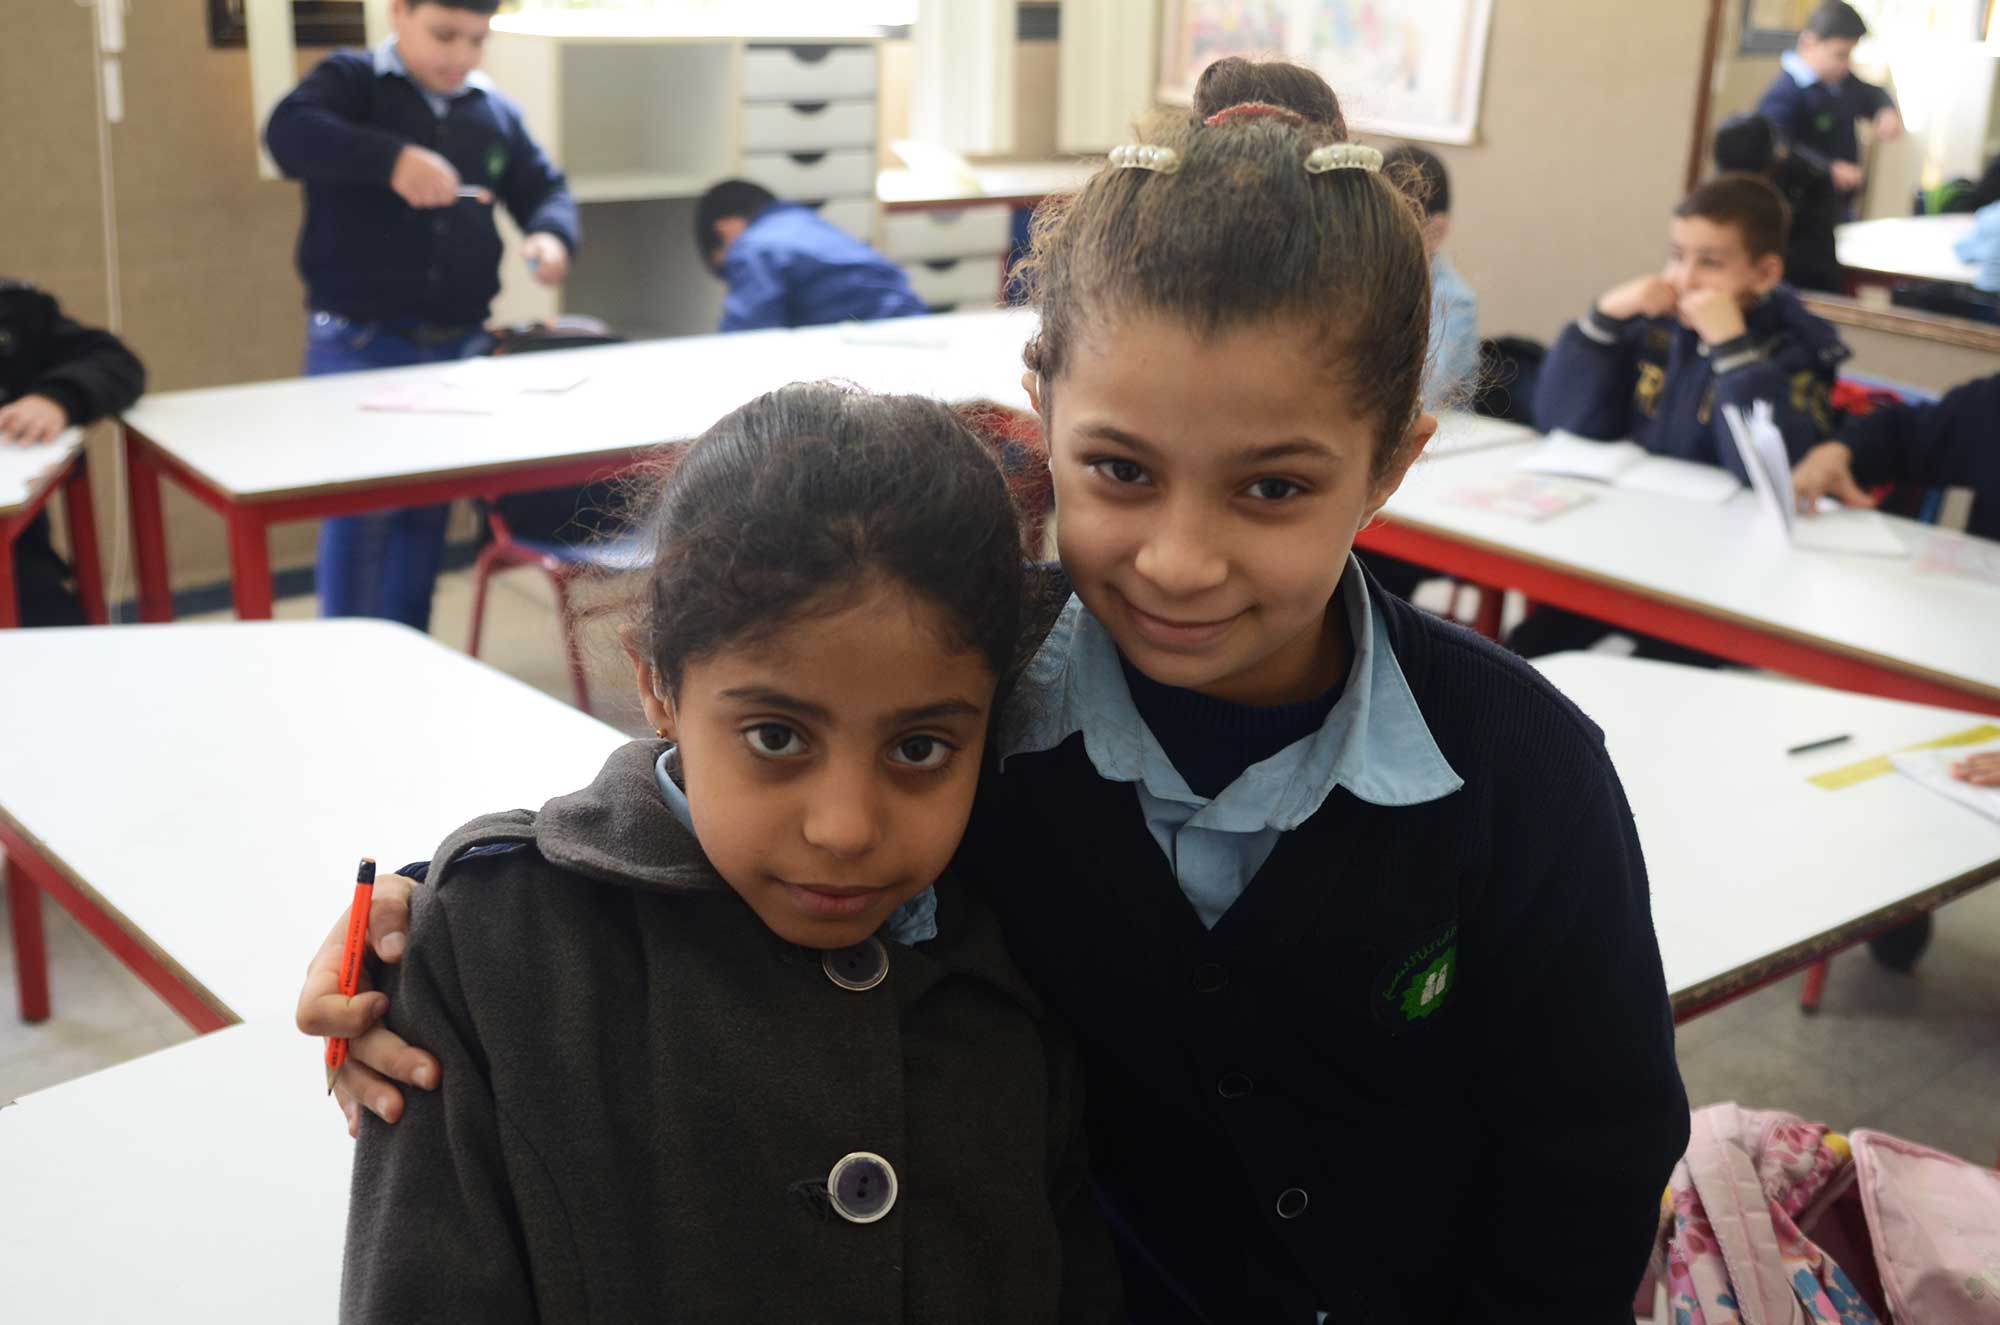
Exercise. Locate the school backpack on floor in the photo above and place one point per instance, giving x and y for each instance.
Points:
(1935, 1223)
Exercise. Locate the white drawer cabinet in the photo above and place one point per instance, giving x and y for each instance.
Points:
(965, 232)
(847, 173)
(809, 73)
(957, 283)
(810, 126)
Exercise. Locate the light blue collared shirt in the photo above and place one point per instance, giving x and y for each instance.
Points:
(1374, 742)
(389, 60)
(1792, 63)
(914, 922)
(1454, 335)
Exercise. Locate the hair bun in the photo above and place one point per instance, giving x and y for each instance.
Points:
(1232, 84)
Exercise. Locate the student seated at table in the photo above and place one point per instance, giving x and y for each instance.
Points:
(1659, 356)
(1815, 99)
(403, 151)
(1747, 144)
(1953, 442)
(786, 266)
(55, 373)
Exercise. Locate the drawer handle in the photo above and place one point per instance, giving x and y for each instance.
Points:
(809, 54)
(808, 107)
(814, 203)
(806, 158)
(940, 264)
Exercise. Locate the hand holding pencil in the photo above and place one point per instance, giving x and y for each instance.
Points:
(351, 956)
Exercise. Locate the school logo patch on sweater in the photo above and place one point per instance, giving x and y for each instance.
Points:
(1416, 987)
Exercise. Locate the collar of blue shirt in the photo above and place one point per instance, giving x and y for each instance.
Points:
(389, 60)
(914, 922)
(1374, 742)
(1801, 73)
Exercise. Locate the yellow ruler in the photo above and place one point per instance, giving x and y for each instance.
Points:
(1836, 778)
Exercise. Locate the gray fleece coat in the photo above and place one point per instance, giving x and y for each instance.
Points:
(645, 1090)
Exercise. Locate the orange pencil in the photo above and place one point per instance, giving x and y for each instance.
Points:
(350, 958)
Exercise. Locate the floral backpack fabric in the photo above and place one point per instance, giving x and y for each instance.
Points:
(1733, 1246)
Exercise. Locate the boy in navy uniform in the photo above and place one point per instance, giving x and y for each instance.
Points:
(55, 373)
(403, 151)
(1949, 443)
(787, 267)
(1659, 356)
(1815, 98)
(1749, 144)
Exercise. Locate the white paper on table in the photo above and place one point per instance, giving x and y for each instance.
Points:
(1686, 480)
(24, 464)
(1932, 768)
(1522, 497)
(1960, 554)
(432, 395)
(1459, 432)
(1571, 456)
(1859, 531)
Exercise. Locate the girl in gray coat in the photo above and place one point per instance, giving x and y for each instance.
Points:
(719, 1039)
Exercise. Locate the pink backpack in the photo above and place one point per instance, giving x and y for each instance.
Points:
(1771, 1220)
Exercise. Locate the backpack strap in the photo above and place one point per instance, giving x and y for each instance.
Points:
(1726, 1181)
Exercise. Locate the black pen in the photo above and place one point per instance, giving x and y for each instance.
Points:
(1811, 746)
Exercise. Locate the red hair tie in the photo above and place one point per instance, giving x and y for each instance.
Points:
(1253, 110)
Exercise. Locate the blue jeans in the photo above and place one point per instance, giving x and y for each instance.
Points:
(383, 564)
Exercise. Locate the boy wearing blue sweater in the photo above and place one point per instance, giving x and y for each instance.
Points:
(1815, 98)
(786, 266)
(1659, 355)
(403, 151)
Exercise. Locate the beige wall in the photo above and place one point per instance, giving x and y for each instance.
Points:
(1584, 128)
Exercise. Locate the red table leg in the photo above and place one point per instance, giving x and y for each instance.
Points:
(31, 952)
(149, 531)
(250, 565)
(89, 565)
(10, 600)
(1492, 601)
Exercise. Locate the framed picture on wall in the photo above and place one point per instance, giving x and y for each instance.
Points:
(1403, 68)
(314, 23)
(1771, 27)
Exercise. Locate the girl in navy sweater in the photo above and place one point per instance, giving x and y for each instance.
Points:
(1344, 902)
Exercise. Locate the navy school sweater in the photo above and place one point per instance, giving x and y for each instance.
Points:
(365, 253)
(1652, 379)
(1818, 120)
(1422, 1071)
(1952, 442)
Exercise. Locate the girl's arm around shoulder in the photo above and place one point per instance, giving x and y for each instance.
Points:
(1586, 1111)
(435, 1226)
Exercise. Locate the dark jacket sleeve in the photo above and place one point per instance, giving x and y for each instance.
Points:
(1588, 1113)
(432, 1232)
(90, 373)
(1954, 442)
(1090, 1284)
(1800, 399)
(1586, 381)
(320, 130)
(536, 191)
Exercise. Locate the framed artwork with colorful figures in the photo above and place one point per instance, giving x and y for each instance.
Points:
(1403, 68)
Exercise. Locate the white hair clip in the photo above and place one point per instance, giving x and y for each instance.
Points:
(1145, 156)
(1343, 156)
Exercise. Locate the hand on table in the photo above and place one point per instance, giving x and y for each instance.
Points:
(376, 1056)
(1980, 770)
(32, 419)
(1827, 471)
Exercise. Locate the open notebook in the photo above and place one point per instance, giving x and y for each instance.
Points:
(22, 467)
(1762, 448)
(1629, 466)
(1932, 768)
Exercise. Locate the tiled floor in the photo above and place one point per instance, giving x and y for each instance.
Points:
(1917, 1055)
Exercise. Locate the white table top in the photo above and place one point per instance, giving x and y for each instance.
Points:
(205, 1182)
(1918, 246)
(25, 470)
(1747, 858)
(215, 784)
(1009, 180)
(267, 440)
(223, 1152)
(1715, 558)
